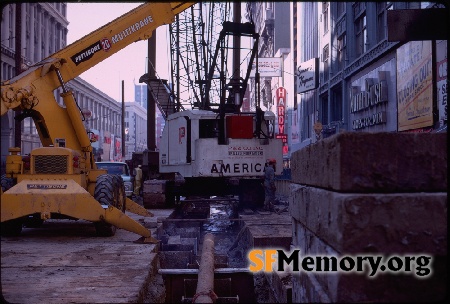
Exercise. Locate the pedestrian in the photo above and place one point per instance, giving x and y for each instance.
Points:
(138, 180)
(269, 185)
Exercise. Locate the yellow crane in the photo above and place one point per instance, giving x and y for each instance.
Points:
(60, 179)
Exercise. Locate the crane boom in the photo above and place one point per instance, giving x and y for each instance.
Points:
(32, 90)
(83, 54)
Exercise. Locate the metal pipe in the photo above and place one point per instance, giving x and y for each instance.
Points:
(205, 285)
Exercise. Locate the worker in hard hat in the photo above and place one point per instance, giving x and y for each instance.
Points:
(269, 185)
(138, 180)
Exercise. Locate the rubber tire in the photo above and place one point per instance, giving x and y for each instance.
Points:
(11, 227)
(106, 194)
(33, 221)
(6, 183)
(121, 195)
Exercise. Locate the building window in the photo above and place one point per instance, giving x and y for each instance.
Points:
(326, 56)
(324, 109)
(340, 8)
(341, 51)
(382, 8)
(325, 6)
(11, 27)
(43, 53)
(361, 35)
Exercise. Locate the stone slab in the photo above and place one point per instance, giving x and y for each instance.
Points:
(387, 223)
(348, 287)
(374, 162)
(269, 230)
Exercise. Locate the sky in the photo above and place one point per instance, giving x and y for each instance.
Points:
(128, 64)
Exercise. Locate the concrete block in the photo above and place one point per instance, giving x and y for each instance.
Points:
(281, 283)
(273, 236)
(374, 162)
(359, 287)
(154, 186)
(307, 290)
(387, 223)
(154, 200)
(310, 245)
(175, 259)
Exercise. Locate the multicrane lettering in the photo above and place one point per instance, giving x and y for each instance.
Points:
(131, 29)
(237, 168)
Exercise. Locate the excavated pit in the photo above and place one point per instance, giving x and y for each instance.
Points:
(181, 239)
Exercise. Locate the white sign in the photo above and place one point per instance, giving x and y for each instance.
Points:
(267, 67)
(111, 151)
(87, 113)
(307, 75)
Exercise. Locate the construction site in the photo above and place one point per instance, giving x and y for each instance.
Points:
(218, 214)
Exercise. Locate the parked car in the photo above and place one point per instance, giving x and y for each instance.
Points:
(121, 169)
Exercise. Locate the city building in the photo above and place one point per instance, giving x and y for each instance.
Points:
(359, 79)
(272, 23)
(341, 73)
(141, 97)
(43, 31)
(135, 128)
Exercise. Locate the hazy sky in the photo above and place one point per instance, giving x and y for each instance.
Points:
(128, 64)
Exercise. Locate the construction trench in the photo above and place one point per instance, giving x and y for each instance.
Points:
(203, 253)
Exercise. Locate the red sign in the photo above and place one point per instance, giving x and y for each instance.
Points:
(281, 106)
(283, 137)
(281, 112)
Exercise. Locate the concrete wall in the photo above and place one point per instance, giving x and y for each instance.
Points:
(371, 193)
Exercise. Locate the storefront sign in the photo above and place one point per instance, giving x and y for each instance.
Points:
(267, 67)
(308, 75)
(367, 101)
(414, 85)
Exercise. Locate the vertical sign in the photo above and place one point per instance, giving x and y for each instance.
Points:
(281, 113)
(441, 81)
(112, 148)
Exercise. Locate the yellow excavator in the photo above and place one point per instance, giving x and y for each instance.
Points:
(60, 179)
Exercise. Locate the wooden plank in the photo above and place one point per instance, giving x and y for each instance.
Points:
(64, 262)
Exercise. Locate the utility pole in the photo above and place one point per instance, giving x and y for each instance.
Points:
(151, 103)
(18, 63)
(123, 120)
(236, 42)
